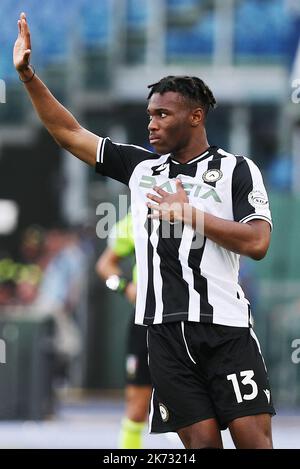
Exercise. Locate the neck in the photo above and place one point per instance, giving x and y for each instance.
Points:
(195, 147)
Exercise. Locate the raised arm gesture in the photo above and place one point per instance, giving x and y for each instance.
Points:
(61, 124)
(22, 49)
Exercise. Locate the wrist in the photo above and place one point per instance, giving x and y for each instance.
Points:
(26, 74)
(117, 283)
(193, 217)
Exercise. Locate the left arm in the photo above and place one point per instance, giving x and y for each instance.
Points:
(251, 239)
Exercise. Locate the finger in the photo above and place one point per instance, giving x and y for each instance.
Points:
(19, 27)
(26, 31)
(179, 185)
(154, 198)
(23, 18)
(160, 191)
(23, 27)
(154, 207)
(154, 216)
(26, 56)
(21, 24)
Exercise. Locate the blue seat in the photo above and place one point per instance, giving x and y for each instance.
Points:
(263, 29)
(95, 22)
(136, 14)
(191, 42)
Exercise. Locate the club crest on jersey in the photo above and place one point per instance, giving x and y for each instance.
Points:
(257, 198)
(156, 170)
(163, 412)
(212, 175)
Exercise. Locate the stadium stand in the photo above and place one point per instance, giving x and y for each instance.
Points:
(78, 40)
(190, 29)
(263, 40)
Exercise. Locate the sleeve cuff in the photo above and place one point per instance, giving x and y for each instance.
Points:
(256, 216)
(100, 155)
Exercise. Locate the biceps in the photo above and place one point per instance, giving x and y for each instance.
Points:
(83, 144)
(261, 232)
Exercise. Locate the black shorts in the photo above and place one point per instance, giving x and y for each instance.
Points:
(202, 371)
(137, 370)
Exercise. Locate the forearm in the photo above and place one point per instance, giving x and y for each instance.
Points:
(56, 118)
(241, 238)
(107, 265)
(107, 268)
(106, 271)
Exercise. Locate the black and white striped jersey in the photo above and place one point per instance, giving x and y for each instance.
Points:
(176, 281)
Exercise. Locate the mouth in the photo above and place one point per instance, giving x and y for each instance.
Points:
(153, 140)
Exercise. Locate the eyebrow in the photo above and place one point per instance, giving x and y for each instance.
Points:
(159, 109)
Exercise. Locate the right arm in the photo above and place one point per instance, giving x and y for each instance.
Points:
(61, 124)
(108, 265)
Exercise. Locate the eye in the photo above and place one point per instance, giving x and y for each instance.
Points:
(162, 114)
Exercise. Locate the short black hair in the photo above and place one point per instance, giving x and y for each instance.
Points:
(192, 88)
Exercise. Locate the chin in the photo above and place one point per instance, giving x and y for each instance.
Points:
(161, 149)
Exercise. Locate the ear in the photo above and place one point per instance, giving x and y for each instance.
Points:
(197, 117)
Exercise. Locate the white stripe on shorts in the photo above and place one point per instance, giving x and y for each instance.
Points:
(151, 412)
(185, 343)
(258, 345)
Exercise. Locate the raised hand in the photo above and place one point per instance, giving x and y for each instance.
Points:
(22, 48)
(168, 207)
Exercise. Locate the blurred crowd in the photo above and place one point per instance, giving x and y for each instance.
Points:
(47, 272)
(47, 280)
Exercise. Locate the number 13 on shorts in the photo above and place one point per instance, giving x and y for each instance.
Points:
(245, 379)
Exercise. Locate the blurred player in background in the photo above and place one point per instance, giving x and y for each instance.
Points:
(138, 383)
(205, 362)
(60, 293)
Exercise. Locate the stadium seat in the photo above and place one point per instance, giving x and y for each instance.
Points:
(269, 39)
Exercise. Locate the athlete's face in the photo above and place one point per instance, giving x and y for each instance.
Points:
(171, 122)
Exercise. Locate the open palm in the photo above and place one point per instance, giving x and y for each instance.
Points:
(22, 48)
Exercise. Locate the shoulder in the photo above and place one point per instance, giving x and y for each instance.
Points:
(130, 148)
(239, 161)
(245, 165)
(228, 160)
(225, 154)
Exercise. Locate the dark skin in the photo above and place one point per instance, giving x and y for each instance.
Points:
(178, 127)
(60, 123)
(250, 239)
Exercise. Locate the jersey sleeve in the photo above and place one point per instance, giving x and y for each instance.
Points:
(249, 196)
(118, 161)
(120, 238)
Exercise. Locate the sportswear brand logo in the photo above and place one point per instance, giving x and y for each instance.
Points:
(163, 412)
(194, 190)
(268, 394)
(156, 170)
(212, 175)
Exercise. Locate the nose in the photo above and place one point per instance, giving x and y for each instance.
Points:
(152, 124)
